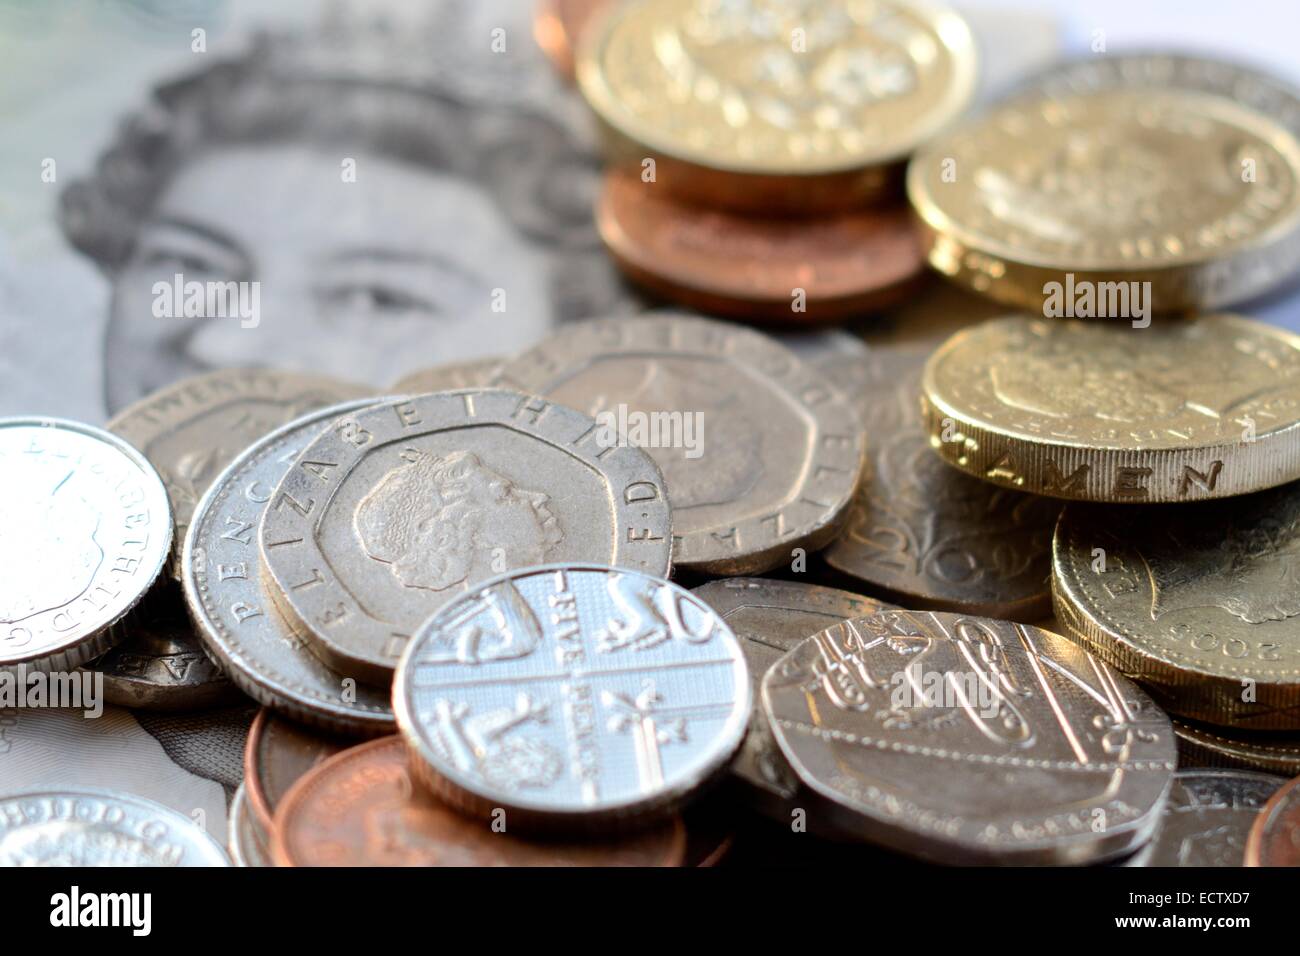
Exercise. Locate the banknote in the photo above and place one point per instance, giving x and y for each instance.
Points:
(395, 184)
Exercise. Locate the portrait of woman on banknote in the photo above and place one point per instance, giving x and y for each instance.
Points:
(373, 219)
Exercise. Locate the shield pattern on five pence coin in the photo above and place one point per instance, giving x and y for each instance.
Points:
(395, 510)
(572, 698)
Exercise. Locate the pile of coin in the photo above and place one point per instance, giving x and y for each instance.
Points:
(968, 586)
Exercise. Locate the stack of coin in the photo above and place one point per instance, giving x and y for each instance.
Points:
(755, 170)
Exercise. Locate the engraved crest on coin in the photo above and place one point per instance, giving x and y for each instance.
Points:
(394, 511)
(769, 618)
(759, 454)
(1207, 819)
(968, 739)
(1200, 605)
(572, 696)
(925, 532)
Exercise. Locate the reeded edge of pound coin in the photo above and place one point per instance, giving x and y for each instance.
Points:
(1172, 468)
(474, 794)
(87, 642)
(1266, 751)
(141, 829)
(222, 625)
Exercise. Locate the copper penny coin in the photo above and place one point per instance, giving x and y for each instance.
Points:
(755, 267)
(557, 25)
(1274, 838)
(362, 808)
(278, 752)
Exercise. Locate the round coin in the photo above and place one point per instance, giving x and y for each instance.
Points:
(750, 267)
(277, 753)
(362, 808)
(87, 529)
(86, 827)
(247, 840)
(970, 740)
(191, 429)
(443, 378)
(572, 697)
(159, 662)
(1204, 408)
(1203, 746)
(926, 534)
(395, 510)
(770, 618)
(240, 624)
(759, 454)
(1195, 602)
(1208, 818)
(764, 106)
(1061, 203)
(1274, 838)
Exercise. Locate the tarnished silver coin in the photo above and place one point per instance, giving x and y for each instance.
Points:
(925, 533)
(191, 429)
(397, 509)
(85, 827)
(240, 624)
(969, 740)
(769, 618)
(85, 529)
(443, 378)
(160, 664)
(760, 454)
(1207, 819)
(572, 697)
(247, 841)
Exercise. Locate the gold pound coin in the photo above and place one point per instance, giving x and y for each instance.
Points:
(1098, 411)
(1113, 202)
(768, 106)
(1198, 603)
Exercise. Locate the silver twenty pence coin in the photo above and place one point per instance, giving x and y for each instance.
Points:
(240, 625)
(572, 696)
(86, 827)
(970, 740)
(85, 528)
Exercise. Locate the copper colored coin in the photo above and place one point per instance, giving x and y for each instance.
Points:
(362, 808)
(754, 267)
(557, 25)
(277, 753)
(1275, 835)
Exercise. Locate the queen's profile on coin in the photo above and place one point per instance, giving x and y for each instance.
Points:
(442, 521)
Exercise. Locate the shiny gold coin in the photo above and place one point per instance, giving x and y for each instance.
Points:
(1097, 411)
(1183, 199)
(1198, 603)
(771, 106)
(1200, 745)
